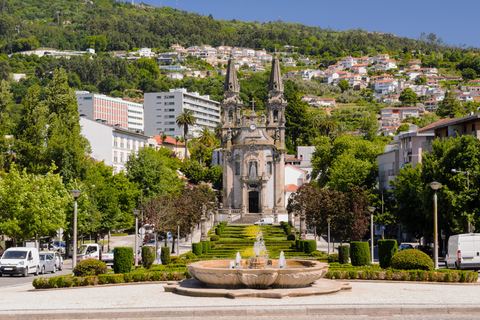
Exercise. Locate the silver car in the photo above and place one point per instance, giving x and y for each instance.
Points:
(48, 262)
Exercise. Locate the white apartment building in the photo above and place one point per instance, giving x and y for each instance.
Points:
(163, 108)
(126, 114)
(110, 143)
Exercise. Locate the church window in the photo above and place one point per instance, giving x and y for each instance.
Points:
(230, 116)
(237, 168)
(269, 167)
(275, 116)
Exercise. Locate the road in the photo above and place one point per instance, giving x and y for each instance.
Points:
(15, 280)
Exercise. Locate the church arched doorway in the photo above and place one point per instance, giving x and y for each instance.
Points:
(253, 202)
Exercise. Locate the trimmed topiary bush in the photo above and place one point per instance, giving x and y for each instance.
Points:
(309, 246)
(206, 246)
(218, 231)
(411, 259)
(197, 248)
(148, 256)
(333, 257)
(386, 250)
(291, 237)
(359, 253)
(165, 255)
(343, 254)
(122, 259)
(214, 238)
(90, 267)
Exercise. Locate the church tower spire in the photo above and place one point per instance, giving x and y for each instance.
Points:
(275, 84)
(231, 81)
(276, 103)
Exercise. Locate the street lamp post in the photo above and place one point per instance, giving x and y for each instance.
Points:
(371, 209)
(178, 238)
(136, 212)
(467, 173)
(315, 228)
(75, 194)
(435, 185)
(328, 235)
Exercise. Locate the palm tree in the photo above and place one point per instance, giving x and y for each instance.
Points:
(206, 137)
(185, 119)
(325, 123)
(164, 137)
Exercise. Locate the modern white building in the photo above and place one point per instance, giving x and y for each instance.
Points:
(163, 108)
(110, 143)
(114, 111)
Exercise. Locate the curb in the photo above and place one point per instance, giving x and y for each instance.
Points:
(243, 311)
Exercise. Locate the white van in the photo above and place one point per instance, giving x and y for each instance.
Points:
(463, 251)
(264, 221)
(20, 260)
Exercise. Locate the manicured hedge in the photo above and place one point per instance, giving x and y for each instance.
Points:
(343, 254)
(165, 255)
(206, 246)
(214, 238)
(148, 256)
(309, 246)
(197, 248)
(411, 259)
(291, 237)
(122, 259)
(333, 257)
(359, 253)
(90, 267)
(386, 250)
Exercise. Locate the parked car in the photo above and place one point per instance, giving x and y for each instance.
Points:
(57, 243)
(48, 262)
(20, 260)
(405, 246)
(93, 251)
(463, 251)
(264, 221)
(426, 249)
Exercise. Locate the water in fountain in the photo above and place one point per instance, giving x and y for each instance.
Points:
(238, 260)
(259, 246)
(281, 261)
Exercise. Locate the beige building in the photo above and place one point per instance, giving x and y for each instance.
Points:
(253, 151)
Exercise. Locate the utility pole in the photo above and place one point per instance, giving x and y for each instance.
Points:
(58, 18)
(77, 8)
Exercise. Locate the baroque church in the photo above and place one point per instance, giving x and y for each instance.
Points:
(253, 150)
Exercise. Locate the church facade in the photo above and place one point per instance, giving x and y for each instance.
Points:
(253, 150)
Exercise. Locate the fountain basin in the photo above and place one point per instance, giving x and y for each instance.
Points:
(296, 274)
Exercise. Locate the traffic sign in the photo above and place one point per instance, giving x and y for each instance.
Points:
(169, 236)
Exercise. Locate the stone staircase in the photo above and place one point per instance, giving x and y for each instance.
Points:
(249, 218)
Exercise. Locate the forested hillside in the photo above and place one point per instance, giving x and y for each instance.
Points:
(112, 25)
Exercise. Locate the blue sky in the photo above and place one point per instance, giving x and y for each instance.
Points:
(456, 22)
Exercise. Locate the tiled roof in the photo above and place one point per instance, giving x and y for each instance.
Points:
(291, 188)
(168, 140)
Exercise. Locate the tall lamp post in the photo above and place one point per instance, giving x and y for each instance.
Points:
(469, 227)
(315, 228)
(178, 238)
(328, 235)
(75, 194)
(136, 212)
(435, 186)
(371, 209)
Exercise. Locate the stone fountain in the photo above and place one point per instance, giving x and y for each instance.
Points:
(243, 277)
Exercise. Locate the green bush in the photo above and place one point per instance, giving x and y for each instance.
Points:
(197, 248)
(90, 267)
(411, 259)
(333, 258)
(148, 256)
(206, 246)
(291, 237)
(214, 238)
(218, 231)
(122, 259)
(359, 253)
(299, 244)
(386, 250)
(343, 254)
(165, 255)
(309, 246)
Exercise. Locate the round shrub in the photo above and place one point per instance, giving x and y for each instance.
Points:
(148, 256)
(333, 258)
(359, 253)
(122, 259)
(90, 267)
(197, 248)
(291, 237)
(343, 254)
(214, 238)
(386, 250)
(411, 259)
(309, 246)
(165, 255)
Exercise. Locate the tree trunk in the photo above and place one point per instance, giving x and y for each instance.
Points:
(173, 244)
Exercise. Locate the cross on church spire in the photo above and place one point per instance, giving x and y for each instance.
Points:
(253, 106)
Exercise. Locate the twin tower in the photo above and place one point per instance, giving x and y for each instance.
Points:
(253, 150)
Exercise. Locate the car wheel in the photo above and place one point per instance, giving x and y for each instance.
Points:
(42, 271)
(25, 272)
(457, 265)
(37, 271)
(54, 269)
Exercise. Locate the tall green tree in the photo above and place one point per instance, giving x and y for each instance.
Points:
(5, 106)
(450, 107)
(185, 119)
(408, 96)
(66, 147)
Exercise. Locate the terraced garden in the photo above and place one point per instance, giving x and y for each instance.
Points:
(240, 238)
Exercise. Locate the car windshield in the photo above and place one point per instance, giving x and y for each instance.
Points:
(15, 255)
(82, 249)
(42, 256)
